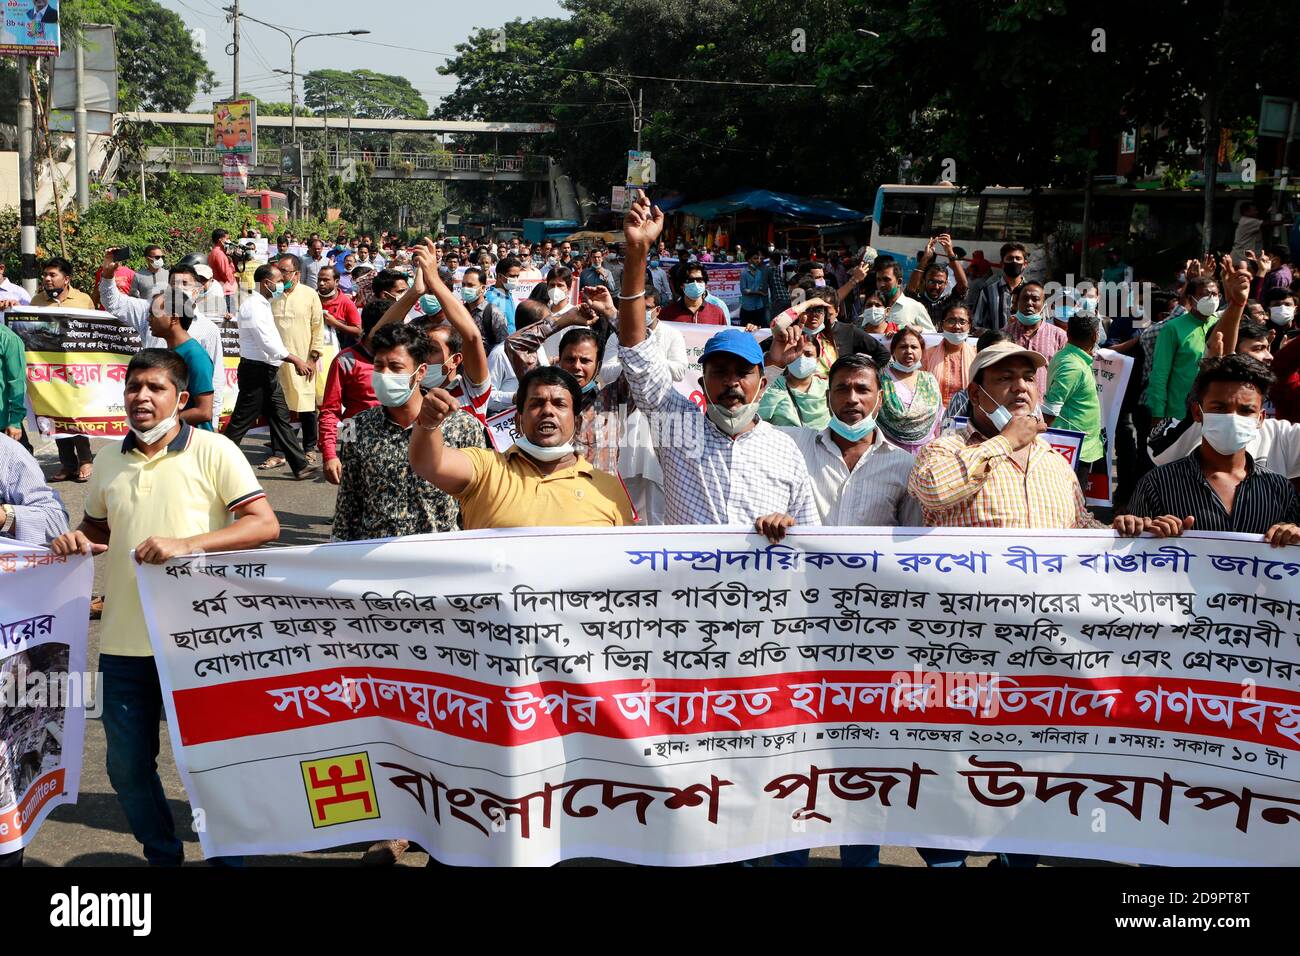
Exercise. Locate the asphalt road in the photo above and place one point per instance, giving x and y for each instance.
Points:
(94, 831)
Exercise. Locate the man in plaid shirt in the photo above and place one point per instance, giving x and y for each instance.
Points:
(727, 466)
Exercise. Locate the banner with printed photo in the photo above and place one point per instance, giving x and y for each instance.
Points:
(234, 130)
(31, 28)
(43, 685)
(690, 696)
(724, 280)
(76, 369)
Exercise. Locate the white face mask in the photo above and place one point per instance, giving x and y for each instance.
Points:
(955, 338)
(1281, 314)
(434, 376)
(1207, 305)
(546, 454)
(1000, 417)
(557, 295)
(873, 315)
(158, 431)
(392, 388)
(156, 263)
(803, 366)
(1227, 433)
(732, 421)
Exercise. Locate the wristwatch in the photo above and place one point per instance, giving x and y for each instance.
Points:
(9, 517)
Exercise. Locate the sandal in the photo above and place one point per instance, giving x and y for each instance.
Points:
(61, 475)
(84, 473)
(275, 461)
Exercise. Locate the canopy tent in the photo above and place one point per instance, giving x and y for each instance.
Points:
(779, 204)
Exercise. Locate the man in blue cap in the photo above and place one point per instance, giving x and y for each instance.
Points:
(727, 466)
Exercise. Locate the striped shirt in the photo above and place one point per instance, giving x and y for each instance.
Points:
(1261, 500)
(39, 515)
(709, 477)
(963, 480)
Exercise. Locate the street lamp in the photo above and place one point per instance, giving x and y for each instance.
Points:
(293, 71)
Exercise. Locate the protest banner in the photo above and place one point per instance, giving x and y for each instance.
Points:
(695, 695)
(76, 369)
(234, 130)
(43, 685)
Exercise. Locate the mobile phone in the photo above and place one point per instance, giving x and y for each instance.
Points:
(122, 254)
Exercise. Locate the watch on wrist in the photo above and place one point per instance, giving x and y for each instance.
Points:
(9, 519)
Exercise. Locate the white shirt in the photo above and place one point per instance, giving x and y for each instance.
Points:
(259, 339)
(136, 312)
(873, 494)
(502, 376)
(907, 311)
(709, 477)
(1275, 447)
(9, 290)
(670, 343)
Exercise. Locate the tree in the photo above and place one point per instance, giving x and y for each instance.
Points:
(158, 64)
(364, 94)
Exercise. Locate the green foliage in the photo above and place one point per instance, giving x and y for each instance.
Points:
(363, 93)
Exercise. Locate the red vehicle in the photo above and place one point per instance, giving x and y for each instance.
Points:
(271, 206)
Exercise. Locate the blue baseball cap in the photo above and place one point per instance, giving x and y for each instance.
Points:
(736, 342)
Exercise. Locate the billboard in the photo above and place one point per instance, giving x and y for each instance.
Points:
(234, 129)
(31, 28)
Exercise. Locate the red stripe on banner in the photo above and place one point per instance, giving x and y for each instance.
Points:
(114, 427)
(15, 822)
(477, 711)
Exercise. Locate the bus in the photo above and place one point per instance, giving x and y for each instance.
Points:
(1156, 229)
(271, 206)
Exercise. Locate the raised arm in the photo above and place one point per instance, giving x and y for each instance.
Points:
(641, 228)
(1236, 286)
(448, 469)
(400, 309)
(475, 364)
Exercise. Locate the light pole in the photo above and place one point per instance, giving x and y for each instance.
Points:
(293, 75)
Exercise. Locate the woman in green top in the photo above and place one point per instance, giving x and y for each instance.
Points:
(798, 398)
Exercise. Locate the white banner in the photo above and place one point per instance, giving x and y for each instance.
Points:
(43, 685)
(689, 696)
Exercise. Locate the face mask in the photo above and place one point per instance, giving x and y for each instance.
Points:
(954, 338)
(814, 330)
(1000, 417)
(654, 263)
(156, 263)
(731, 422)
(1026, 319)
(468, 295)
(1227, 433)
(855, 432)
(288, 285)
(649, 319)
(1013, 269)
(591, 387)
(557, 295)
(1207, 305)
(277, 290)
(889, 294)
(803, 366)
(544, 454)
(873, 316)
(694, 290)
(430, 305)
(157, 432)
(819, 283)
(1087, 307)
(1281, 314)
(1065, 311)
(434, 376)
(392, 388)
(900, 367)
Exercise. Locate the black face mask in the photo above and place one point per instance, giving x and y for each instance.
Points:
(1013, 269)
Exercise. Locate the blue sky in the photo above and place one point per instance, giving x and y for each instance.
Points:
(433, 27)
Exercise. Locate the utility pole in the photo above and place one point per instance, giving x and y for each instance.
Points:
(638, 120)
(79, 117)
(233, 49)
(26, 184)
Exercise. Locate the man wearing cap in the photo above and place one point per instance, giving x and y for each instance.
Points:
(996, 472)
(728, 467)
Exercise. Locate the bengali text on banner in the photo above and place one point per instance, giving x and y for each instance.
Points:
(688, 696)
(43, 685)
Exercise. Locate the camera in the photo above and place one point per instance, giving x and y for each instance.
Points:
(238, 255)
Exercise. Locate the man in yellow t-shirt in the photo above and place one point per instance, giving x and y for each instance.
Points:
(540, 481)
(167, 490)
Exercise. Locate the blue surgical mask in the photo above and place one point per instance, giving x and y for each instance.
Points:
(955, 338)
(694, 290)
(1000, 417)
(855, 432)
(434, 376)
(649, 319)
(430, 305)
(1025, 318)
(392, 388)
(468, 294)
(906, 369)
(591, 387)
(803, 366)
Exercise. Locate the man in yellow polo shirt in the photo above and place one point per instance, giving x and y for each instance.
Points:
(540, 481)
(168, 490)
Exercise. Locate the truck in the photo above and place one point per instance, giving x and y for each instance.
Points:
(535, 230)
